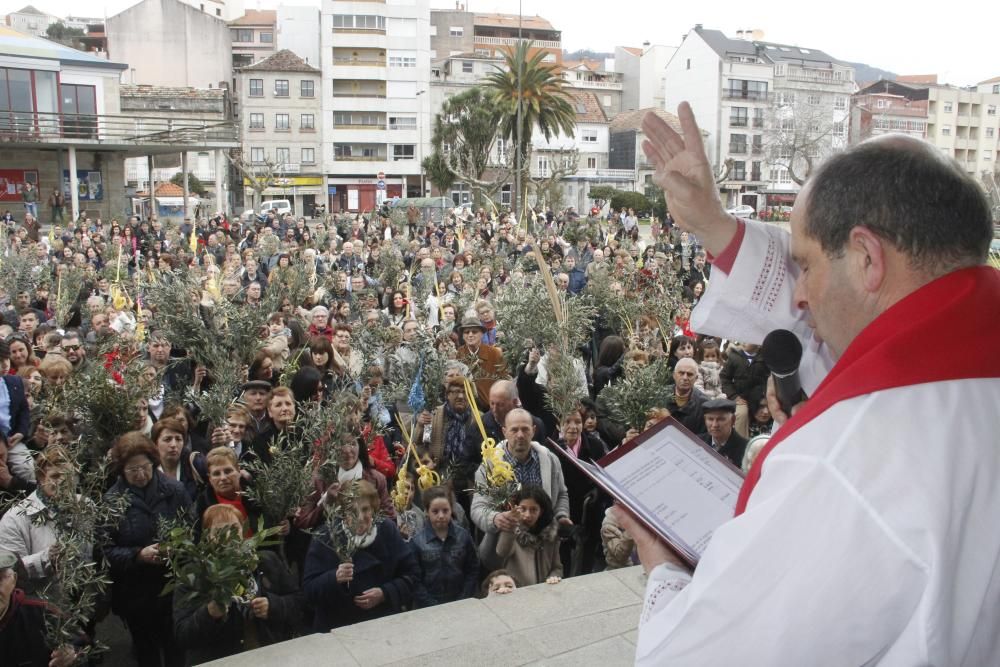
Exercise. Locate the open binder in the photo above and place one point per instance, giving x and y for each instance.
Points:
(672, 482)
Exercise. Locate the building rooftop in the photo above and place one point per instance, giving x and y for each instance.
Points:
(726, 46)
(586, 63)
(14, 43)
(282, 61)
(633, 50)
(257, 17)
(511, 21)
(632, 120)
(29, 9)
(588, 108)
(165, 190)
(917, 78)
(995, 79)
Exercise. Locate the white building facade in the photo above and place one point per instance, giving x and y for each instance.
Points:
(280, 112)
(765, 106)
(377, 107)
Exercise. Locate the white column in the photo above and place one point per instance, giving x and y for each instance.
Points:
(220, 196)
(74, 186)
(184, 170)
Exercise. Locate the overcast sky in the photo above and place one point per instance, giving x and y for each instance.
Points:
(956, 40)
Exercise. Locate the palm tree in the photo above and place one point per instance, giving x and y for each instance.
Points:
(527, 82)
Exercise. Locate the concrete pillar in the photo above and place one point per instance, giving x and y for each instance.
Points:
(184, 170)
(74, 186)
(220, 196)
(152, 186)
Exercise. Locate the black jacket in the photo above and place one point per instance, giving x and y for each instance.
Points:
(579, 485)
(690, 415)
(137, 585)
(734, 448)
(740, 376)
(22, 632)
(205, 638)
(387, 563)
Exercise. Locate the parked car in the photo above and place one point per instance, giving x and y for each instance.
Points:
(743, 211)
(283, 206)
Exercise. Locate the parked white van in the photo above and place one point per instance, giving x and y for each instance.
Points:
(282, 205)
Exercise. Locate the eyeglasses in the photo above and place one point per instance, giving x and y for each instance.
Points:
(135, 470)
(71, 348)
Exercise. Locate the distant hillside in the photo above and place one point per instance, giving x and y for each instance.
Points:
(586, 54)
(867, 74)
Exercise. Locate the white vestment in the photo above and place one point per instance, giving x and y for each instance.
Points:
(870, 537)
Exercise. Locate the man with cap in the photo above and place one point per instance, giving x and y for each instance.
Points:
(22, 624)
(485, 362)
(720, 417)
(255, 395)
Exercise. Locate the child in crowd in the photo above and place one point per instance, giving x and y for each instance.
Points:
(709, 366)
(449, 563)
(498, 582)
(618, 545)
(590, 422)
(531, 551)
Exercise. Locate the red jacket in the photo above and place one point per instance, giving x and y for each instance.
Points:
(378, 453)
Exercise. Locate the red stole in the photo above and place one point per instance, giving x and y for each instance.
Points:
(962, 308)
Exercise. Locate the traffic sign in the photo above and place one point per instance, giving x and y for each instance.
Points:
(380, 185)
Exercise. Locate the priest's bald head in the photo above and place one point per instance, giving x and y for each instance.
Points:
(876, 223)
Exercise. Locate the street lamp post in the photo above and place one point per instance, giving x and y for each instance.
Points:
(420, 130)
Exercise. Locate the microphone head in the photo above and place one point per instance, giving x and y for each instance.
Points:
(782, 351)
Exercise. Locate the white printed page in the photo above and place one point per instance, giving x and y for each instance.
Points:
(688, 490)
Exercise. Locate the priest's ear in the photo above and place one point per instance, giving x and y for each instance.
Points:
(869, 255)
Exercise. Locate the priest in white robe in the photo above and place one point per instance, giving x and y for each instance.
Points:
(865, 532)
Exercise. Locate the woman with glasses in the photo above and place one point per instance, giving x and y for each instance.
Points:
(138, 570)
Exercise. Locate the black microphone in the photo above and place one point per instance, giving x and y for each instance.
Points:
(782, 352)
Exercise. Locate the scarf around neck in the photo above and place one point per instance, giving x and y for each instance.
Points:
(454, 436)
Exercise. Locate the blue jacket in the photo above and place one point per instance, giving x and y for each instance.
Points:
(20, 415)
(450, 569)
(577, 280)
(387, 563)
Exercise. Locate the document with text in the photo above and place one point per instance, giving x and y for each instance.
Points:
(672, 482)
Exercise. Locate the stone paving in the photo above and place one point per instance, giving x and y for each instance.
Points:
(581, 621)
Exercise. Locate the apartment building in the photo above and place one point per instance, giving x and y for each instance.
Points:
(376, 111)
(280, 103)
(886, 107)
(769, 109)
(596, 77)
(964, 123)
(643, 74)
(253, 37)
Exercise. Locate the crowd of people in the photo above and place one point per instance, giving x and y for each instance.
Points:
(447, 492)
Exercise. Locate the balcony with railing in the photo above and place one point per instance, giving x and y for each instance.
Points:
(748, 95)
(736, 121)
(114, 131)
(514, 41)
(609, 174)
(758, 123)
(349, 61)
